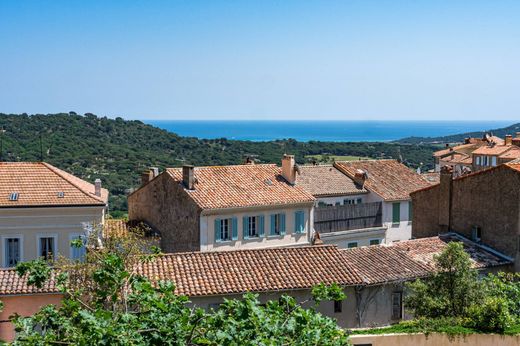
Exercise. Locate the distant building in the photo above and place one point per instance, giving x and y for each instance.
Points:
(42, 209)
(483, 206)
(225, 207)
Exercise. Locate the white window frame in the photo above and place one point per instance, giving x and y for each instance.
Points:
(10, 236)
(229, 222)
(72, 237)
(250, 228)
(47, 235)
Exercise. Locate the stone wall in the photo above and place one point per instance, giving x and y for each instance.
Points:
(434, 340)
(165, 206)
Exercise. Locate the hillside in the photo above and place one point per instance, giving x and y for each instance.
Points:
(501, 132)
(117, 150)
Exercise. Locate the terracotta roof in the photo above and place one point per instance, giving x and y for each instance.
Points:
(462, 148)
(260, 270)
(423, 250)
(388, 178)
(431, 177)
(379, 264)
(11, 283)
(239, 186)
(326, 180)
(458, 158)
(512, 154)
(492, 150)
(39, 184)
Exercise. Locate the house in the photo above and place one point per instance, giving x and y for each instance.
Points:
(372, 277)
(483, 206)
(225, 207)
(389, 184)
(42, 209)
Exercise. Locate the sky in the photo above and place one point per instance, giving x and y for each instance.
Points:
(341, 60)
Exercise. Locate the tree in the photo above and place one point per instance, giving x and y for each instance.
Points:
(107, 303)
(450, 291)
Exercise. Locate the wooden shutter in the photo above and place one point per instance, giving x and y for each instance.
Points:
(396, 212)
(234, 230)
(410, 213)
(299, 221)
(245, 227)
(260, 225)
(282, 224)
(217, 230)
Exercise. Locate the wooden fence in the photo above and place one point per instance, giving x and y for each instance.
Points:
(347, 217)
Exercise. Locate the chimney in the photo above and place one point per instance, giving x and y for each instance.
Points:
(360, 176)
(445, 196)
(289, 168)
(317, 239)
(155, 171)
(146, 176)
(97, 187)
(518, 135)
(188, 178)
(508, 140)
(467, 140)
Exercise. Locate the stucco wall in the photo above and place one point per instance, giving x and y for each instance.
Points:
(434, 340)
(165, 206)
(207, 228)
(29, 223)
(24, 305)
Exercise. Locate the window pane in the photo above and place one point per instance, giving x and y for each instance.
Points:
(12, 251)
(47, 248)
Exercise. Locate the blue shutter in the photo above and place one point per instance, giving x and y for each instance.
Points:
(245, 227)
(282, 224)
(235, 229)
(261, 225)
(217, 230)
(299, 221)
(273, 217)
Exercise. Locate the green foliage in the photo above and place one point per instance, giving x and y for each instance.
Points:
(450, 291)
(492, 315)
(38, 272)
(117, 151)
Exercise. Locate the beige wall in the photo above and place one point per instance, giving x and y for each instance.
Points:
(207, 228)
(59, 222)
(24, 305)
(435, 340)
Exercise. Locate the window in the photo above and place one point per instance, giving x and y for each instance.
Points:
(396, 212)
(13, 250)
(359, 201)
(253, 226)
(252, 229)
(493, 160)
(226, 229)
(375, 241)
(397, 305)
(13, 196)
(277, 224)
(484, 160)
(337, 203)
(47, 247)
(476, 233)
(78, 253)
(338, 306)
(477, 160)
(352, 245)
(299, 221)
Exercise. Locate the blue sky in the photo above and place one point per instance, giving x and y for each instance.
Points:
(349, 60)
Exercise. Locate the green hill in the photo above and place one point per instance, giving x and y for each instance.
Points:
(117, 150)
(501, 132)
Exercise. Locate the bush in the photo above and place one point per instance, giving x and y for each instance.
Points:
(492, 315)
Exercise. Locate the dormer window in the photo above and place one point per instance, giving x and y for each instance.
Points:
(13, 196)
(61, 194)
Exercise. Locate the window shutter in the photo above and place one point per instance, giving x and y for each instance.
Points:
(217, 230)
(282, 224)
(410, 215)
(273, 218)
(245, 227)
(396, 212)
(235, 229)
(261, 226)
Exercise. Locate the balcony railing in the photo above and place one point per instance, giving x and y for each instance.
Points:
(348, 217)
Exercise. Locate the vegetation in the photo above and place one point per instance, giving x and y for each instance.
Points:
(108, 303)
(456, 292)
(117, 151)
(325, 158)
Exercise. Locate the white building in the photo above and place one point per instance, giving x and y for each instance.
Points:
(42, 209)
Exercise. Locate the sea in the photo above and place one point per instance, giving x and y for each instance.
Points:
(327, 131)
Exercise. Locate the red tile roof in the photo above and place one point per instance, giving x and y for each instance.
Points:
(492, 150)
(11, 283)
(239, 186)
(388, 178)
(512, 154)
(326, 180)
(259, 270)
(39, 184)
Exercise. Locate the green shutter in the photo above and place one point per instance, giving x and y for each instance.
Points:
(272, 232)
(245, 227)
(410, 212)
(396, 212)
(260, 225)
(299, 221)
(282, 224)
(217, 230)
(235, 229)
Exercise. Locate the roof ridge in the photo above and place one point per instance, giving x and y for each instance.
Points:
(56, 171)
(278, 248)
(221, 166)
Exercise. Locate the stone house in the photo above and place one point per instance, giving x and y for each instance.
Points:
(42, 209)
(389, 184)
(483, 206)
(225, 207)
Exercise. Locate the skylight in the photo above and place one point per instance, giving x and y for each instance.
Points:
(61, 194)
(13, 196)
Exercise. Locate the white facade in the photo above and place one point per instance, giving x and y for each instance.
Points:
(28, 233)
(292, 237)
